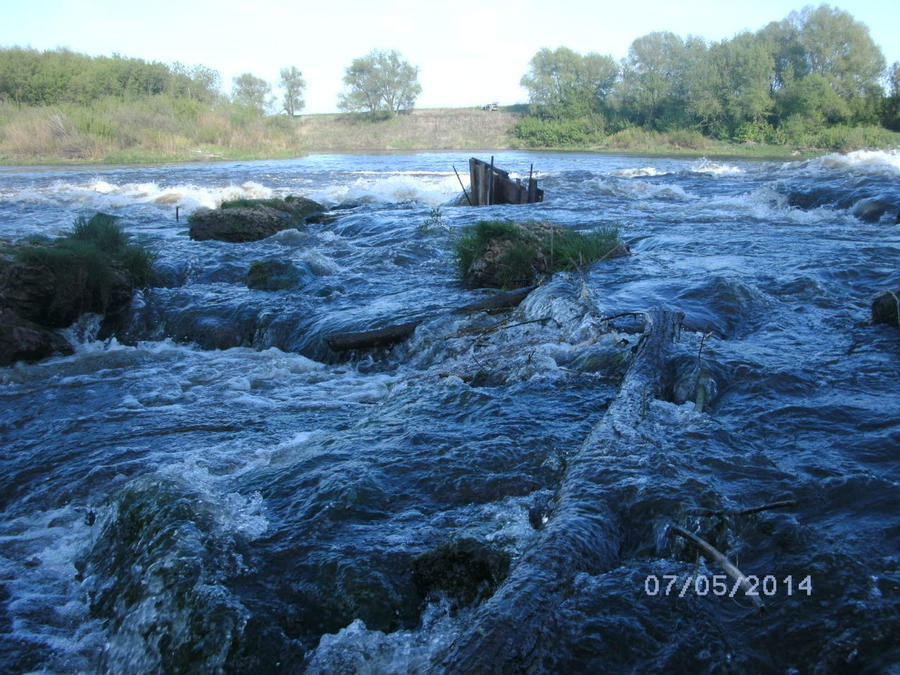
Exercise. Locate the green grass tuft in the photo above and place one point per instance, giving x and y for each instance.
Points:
(532, 249)
(89, 267)
(102, 231)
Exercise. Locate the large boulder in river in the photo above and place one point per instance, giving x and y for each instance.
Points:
(513, 255)
(48, 284)
(252, 219)
(886, 308)
(24, 340)
(53, 286)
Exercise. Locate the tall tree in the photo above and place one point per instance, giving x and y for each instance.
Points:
(562, 83)
(652, 79)
(252, 92)
(746, 70)
(841, 50)
(293, 85)
(381, 81)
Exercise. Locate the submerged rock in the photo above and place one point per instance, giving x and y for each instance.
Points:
(252, 220)
(886, 308)
(273, 275)
(872, 210)
(466, 570)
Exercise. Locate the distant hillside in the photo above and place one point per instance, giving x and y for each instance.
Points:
(434, 129)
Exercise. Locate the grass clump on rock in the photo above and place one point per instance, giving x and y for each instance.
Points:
(243, 220)
(91, 269)
(501, 254)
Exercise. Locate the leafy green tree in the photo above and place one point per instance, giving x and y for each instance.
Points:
(197, 83)
(293, 85)
(380, 82)
(746, 70)
(562, 83)
(701, 82)
(652, 80)
(813, 100)
(841, 50)
(252, 92)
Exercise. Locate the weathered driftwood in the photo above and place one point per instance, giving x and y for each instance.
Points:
(391, 335)
(509, 632)
(787, 503)
(490, 185)
(714, 553)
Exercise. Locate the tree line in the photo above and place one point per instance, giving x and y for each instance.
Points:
(816, 68)
(381, 81)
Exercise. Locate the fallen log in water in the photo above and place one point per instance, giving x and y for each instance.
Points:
(510, 630)
(391, 335)
(380, 337)
(497, 301)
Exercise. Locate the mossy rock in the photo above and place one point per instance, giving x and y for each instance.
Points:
(466, 570)
(92, 269)
(246, 220)
(24, 340)
(494, 254)
(273, 275)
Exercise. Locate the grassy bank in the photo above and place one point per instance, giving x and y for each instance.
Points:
(162, 129)
(432, 129)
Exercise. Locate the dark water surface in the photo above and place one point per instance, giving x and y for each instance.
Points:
(214, 491)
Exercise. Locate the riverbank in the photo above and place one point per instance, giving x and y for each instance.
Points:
(138, 132)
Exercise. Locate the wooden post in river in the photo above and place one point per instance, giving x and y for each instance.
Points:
(490, 185)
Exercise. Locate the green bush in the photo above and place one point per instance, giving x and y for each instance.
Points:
(560, 133)
(632, 138)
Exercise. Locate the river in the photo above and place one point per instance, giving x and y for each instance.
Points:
(213, 490)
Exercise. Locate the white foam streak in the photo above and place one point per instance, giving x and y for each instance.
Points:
(433, 188)
(708, 167)
(102, 194)
(643, 172)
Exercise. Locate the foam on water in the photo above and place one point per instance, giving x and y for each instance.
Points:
(643, 172)
(434, 188)
(711, 168)
(102, 194)
(639, 189)
(873, 161)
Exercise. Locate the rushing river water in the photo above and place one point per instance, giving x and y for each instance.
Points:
(213, 490)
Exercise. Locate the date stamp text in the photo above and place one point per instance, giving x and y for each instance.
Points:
(722, 585)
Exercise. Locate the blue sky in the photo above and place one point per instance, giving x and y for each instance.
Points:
(466, 56)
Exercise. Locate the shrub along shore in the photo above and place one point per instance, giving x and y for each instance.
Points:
(162, 129)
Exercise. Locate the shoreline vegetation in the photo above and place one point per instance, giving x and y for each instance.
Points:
(811, 83)
(151, 131)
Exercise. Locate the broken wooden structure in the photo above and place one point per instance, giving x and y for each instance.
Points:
(490, 185)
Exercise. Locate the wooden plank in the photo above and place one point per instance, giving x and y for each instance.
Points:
(491, 185)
